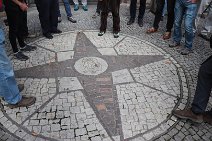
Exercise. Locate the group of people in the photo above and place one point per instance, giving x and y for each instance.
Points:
(49, 16)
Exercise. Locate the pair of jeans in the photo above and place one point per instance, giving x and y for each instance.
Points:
(8, 85)
(142, 8)
(115, 6)
(67, 8)
(187, 10)
(48, 14)
(16, 25)
(203, 88)
(84, 2)
(159, 13)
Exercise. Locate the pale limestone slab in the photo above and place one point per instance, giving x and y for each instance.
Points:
(62, 56)
(69, 83)
(121, 76)
(108, 51)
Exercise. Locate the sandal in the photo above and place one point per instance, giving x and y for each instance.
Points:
(166, 35)
(151, 30)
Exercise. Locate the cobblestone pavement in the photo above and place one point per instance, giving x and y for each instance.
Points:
(92, 88)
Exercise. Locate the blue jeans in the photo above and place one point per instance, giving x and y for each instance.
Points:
(8, 85)
(187, 10)
(67, 8)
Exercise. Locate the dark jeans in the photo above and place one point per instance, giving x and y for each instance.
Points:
(142, 8)
(48, 14)
(159, 12)
(114, 5)
(16, 26)
(203, 89)
(99, 7)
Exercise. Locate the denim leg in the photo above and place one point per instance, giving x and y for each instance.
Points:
(203, 89)
(8, 85)
(67, 8)
(190, 15)
(179, 12)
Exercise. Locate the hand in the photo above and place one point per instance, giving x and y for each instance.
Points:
(23, 6)
(193, 1)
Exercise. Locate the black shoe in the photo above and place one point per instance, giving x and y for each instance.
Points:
(116, 34)
(20, 87)
(101, 33)
(140, 22)
(131, 21)
(28, 48)
(72, 20)
(20, 56)
(205, 37)
(48, 35)
(57, 31)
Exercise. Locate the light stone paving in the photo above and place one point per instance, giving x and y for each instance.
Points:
(121, 76)
(69, 83)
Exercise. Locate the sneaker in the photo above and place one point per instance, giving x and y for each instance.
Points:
(186, 51)
(24, 102)
(116, 34)
(20, 56)
(174, 44)
(20, 87)
(72, 20)
(96, 15)
(205, 37)
(59, 19)
(76, 7)
(28, 48)
(131, 21)
(207, 118)
(110, 15)
(188, 114)
(48, 35)
(85, 7)
(101, 33)
(140, 22)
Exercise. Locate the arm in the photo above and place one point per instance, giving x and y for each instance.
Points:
(22, 5)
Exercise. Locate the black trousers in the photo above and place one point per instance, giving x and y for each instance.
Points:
(15, 20)
(159, 12)
(25, 27)
(142, 8)
(114, 5)
(48, 14)
(99, 7)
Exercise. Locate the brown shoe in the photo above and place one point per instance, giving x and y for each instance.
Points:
(207, 118)
(188, 114)
(21, 87)
(25, 101)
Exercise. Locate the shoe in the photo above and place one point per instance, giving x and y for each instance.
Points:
(101, 33)
(151, 30)
(85, 7)
(95, 15)
(205, 37)
(110, 15)
(166, 35)
(76, 7)
(57, 31)
(6, 22)
(59, 19)
(174, 44)
(48, 35)
(116, 34)
(185, 51)
(140, 22)
(161, 19)
(131, 21)
(188, 114)
(20, 87)
(20, 56)
(72, 20)
(28, 48)
(24, 102)
(207, 118)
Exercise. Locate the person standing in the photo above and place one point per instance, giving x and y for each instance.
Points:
(68, 12)
(8, 86)
(14, 10)
(158, 16)
(84, 5)
(48, 15)
(142, 8)
(184, 9)
(114, 5)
